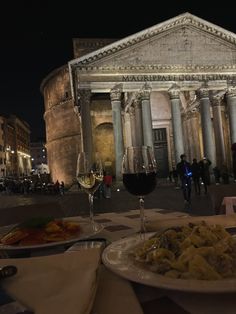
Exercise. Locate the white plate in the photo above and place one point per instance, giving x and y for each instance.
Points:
(116, 258)
(87, 230)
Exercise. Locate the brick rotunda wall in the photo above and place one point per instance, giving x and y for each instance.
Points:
(62, 126)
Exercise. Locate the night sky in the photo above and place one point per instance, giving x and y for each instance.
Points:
(36, 37)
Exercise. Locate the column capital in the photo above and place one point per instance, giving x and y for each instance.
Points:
(203, 91)
(231, 91)
(174, 91)
(84, 95)
(115, 93)
(145, 92)
(217, 98)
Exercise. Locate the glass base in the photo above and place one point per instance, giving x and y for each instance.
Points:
(93, 225)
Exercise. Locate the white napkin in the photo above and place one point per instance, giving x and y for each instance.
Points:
(61, 283)
(115, 295)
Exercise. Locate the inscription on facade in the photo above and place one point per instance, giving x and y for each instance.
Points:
(181, 77)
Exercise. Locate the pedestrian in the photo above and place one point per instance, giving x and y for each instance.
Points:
(62, 188)
(170, 175)
(57, 187)
(233, 148)
(205, 172)
(107, 182)
(217, 175)
(175, 177)
(184, 171)
(196, 176)
(225, 174)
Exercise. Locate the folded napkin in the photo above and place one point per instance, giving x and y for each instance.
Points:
(115, 295)
(161, 224)
(61, 283)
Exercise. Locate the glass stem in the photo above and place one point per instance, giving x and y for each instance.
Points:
(91, 209)
(142, 218)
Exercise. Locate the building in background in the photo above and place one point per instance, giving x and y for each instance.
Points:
(16, 134)
(62, 125)
(171, 86)
(38, 153)
(2, 149)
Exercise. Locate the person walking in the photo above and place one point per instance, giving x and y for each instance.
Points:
(57, 187)
(175, 177)
(196, 176)
(217, 175)
(233, 148)
(62, 188)
(185, 174)
(107, 180)
(204, 165)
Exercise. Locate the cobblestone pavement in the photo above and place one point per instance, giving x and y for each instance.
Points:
(75, 202)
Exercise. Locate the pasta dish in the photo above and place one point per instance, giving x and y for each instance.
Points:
(196, 251)
(41, 230)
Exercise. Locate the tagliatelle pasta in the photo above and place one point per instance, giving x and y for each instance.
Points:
(196, 251)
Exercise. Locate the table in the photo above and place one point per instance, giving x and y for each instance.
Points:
(153, 300)
(122, 224)
(147, 300)
(121, 292)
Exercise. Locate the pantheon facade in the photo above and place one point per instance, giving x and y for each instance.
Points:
(171, 86)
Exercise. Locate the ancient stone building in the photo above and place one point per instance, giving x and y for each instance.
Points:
(171, 86)
(2, 150)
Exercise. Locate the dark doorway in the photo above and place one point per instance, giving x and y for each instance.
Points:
(161, 152)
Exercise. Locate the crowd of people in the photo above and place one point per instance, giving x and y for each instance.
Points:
(28, 186)
(197, 174)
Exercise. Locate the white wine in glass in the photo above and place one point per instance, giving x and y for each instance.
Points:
(139, 176)
(89, 174)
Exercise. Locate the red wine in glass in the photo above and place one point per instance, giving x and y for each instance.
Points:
(139, 183)
(139, 176)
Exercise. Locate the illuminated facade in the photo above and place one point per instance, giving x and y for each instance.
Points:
(39, 158)
(171, 86)
(2, 150)
(17, 147)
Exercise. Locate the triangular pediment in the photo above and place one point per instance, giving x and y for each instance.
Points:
(185, 40)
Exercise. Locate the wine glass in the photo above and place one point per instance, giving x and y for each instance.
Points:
(89, 174)
(139, 176)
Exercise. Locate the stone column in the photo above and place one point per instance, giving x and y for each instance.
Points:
(195, 139)
(127, 123)
(207, 132)
(138, 121)
(86, 125)
(176, 122)
(132, 125)
(190, 141)
(218, 130)
(147, 116)
(117, 127)
(231, 102)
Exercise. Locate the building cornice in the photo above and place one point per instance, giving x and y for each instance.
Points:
(178, 21)
(51, 75)
(161, 67)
